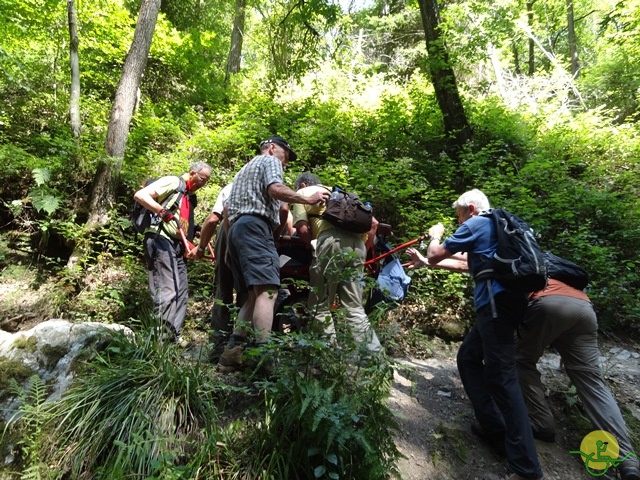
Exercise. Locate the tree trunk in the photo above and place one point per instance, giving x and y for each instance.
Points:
(571, 38)
(237, 36)
(442, 75)
(104, 183)
(516, 58)
(531, 43)
(103, 193)
(74, 62)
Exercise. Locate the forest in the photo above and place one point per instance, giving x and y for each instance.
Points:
(409, 103)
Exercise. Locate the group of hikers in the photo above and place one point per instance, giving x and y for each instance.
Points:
(497, 366)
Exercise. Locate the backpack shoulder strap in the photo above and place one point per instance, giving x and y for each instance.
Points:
(319, 215)
(172, 200)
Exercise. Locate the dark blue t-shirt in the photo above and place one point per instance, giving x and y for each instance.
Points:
(477, 238)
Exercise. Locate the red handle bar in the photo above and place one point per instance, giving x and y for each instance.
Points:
(394, 250)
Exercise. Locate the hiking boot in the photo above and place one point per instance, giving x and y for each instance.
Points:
(216, 352)
(231, 359)
(629, 472)
(494, 439)
(544, 435)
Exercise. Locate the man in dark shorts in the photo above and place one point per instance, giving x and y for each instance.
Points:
(253, 214)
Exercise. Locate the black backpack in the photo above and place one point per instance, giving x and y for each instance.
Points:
(142, 218)
(346, 211)
(518, 263)
(566, 271)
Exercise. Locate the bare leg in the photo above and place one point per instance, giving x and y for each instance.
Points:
(264, 299)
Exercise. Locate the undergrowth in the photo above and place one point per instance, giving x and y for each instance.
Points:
(144, 408)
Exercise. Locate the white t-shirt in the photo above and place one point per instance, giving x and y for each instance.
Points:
(218, 207)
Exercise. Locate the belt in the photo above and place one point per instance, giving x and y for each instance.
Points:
(261, 217)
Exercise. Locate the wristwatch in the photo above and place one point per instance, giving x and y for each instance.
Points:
(200, 249)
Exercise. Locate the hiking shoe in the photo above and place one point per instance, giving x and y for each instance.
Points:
(494, 439)
(510, 476)
(183, 342)
(231, 359)
(544, 435)
(629, 472)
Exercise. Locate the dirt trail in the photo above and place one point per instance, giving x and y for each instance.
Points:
(434, 416)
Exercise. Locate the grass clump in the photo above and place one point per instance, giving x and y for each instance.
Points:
(136, 409)
(141, 408)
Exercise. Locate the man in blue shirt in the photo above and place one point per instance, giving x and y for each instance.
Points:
(486, 359)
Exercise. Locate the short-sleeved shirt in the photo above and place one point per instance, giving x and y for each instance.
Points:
(478, 239)
(309, 213)
(164, 186)
(223, 196)
(250, 192)
(556, 287)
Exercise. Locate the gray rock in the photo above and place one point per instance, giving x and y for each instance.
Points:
(49, 350)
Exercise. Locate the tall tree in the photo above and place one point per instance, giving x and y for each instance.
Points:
(237, 36)
(532, 45)
(292, 34)
(442, 75)
(571, 38)
(103, 192)
(74, 62)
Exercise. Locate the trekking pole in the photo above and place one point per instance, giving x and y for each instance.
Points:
(421, 238)
(213, 255)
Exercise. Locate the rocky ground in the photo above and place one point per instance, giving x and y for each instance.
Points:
(433, 412)
(434, 416)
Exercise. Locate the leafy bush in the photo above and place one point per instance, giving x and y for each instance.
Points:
(324, 414)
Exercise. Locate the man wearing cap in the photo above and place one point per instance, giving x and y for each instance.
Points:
(253, 212)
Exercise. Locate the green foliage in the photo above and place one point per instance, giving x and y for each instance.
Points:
(136, 407)
(612, 82)
(31, 420)
(11, 372)
(291, 38)
(110, 286)
(325, 416)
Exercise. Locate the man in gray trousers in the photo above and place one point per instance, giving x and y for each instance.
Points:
(563, 316)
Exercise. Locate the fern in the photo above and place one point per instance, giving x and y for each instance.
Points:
(31, 418)
(333, 426)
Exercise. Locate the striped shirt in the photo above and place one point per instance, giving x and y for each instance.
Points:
(250, 191)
